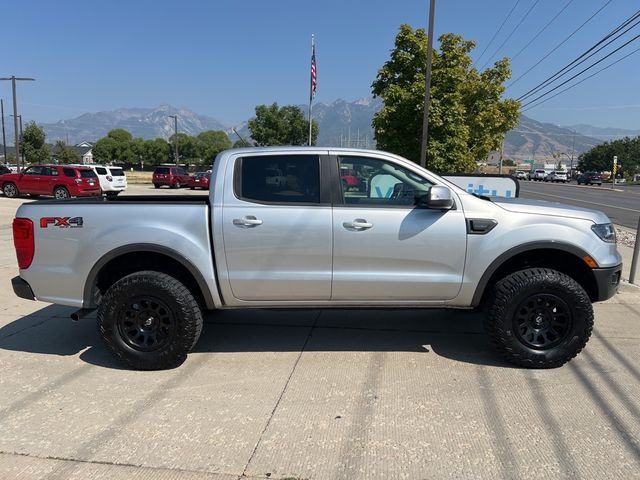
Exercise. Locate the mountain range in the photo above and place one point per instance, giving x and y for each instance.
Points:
(342, 123)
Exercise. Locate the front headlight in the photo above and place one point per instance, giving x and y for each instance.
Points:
(605, 231)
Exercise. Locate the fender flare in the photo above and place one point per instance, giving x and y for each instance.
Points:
(512, 252)
(89, 294)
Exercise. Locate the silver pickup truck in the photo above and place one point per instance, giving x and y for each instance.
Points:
(395, 236)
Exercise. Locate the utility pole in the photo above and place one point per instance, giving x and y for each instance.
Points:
(20, 159)
(13, 79)
(4, 137)
(175, 138)
(427, 86)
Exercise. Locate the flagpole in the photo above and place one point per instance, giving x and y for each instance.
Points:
(311, 85)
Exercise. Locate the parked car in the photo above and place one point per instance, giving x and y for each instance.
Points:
(112, 179)
(173, 177)
(522, 175)
(557, 176)
(539, 175)
(536, 267)
(349, 179)
(590, 178)
(200, 180)
(60, 181)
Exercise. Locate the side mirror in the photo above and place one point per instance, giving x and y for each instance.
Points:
(438, 198)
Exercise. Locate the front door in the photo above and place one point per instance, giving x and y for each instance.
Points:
(31, 181)
(278, 234)
(386, 248)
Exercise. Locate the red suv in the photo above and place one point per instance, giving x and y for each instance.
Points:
(173, 177)
(61, 181)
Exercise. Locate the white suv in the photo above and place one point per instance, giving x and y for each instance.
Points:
(112, 179)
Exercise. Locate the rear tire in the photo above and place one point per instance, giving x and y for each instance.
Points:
(149, 320)
(155, 185)
(61, 193)
(10, 190)
(112, 194)
(539, 318)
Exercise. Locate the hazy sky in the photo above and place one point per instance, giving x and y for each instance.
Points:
(223, 58)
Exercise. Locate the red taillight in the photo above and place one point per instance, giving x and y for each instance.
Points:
(23, 241)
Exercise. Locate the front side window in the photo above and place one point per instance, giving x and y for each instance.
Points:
(101, 170)
(373, 182)
(280, 179)
(33, 171)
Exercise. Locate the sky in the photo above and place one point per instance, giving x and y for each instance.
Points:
(223, 58)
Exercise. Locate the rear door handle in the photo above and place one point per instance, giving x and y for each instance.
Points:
(357, 224)
(247, 221)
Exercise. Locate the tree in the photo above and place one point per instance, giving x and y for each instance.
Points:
(507, 162)
(65, 154)
(210, 143)
(105, 150)
(467, 116)
(187, 150)
(33, 146)
(281, 126)
(600, 157)
(156, 151)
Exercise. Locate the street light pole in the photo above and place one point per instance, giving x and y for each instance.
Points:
(427, 86)
(4, 137)
(13, 79)
(175, 137)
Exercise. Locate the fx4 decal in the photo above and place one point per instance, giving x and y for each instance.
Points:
(61, 222)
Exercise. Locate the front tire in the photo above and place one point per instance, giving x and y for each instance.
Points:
(539, 318)
(10, 190)
(149, 320)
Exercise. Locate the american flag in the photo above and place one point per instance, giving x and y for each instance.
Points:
(314, 73)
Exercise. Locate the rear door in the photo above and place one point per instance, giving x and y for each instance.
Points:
(277, 235)
(386, 248)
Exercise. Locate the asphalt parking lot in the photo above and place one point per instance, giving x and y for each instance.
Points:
(392, 394)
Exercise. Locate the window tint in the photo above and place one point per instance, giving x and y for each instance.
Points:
(101, 170)
(281, 179)
(181, 171)
(164, 170)
(51, 171)
(116, 172)
(373, 182)
(69, 172)
(88, 174)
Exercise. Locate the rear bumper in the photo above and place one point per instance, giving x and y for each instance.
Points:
(22, 289)
(608, 281)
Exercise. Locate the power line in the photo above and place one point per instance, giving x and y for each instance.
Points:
(586, 78)
(559, 45)
(498, 31)
(577, 61)
(542, 30)
(512, 32)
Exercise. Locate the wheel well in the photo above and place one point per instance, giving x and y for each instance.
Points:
(559, 260)
(128, 263)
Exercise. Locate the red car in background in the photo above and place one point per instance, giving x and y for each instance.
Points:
(173, 177)
(60, 181)
(200, 180)
(349, 179)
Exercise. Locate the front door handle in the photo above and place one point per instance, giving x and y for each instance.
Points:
(247, 221)
(357, 224)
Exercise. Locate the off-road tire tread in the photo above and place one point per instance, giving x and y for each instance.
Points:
(189, 320)
(502, 296)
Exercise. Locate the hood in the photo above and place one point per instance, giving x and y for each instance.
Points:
(542, 207)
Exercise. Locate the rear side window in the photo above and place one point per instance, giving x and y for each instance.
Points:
(88, 174)
(101, 170)
(69, 172)
(164, 170)
(279, 179)
(117, 172)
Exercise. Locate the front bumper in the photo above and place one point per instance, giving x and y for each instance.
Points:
(22, 289)
(607, 281)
